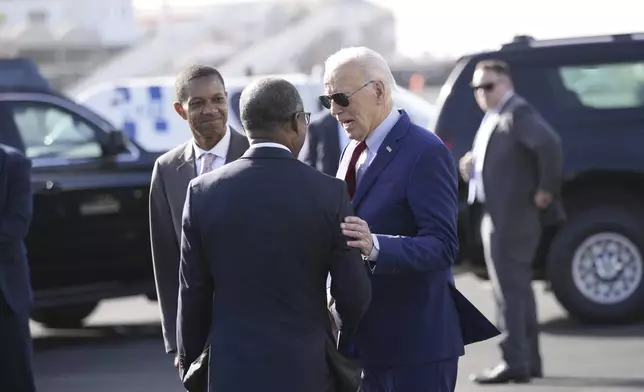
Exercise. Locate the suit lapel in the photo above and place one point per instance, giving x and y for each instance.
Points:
(238, 146)
(385, 154)
(186, 168)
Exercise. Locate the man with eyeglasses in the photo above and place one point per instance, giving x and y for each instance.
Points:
(403, 186)
(259, 237)
(514, 171)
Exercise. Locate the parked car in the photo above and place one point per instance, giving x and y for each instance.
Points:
(88, 239)
(591, 89)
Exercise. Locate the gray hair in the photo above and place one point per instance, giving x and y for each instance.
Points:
(373, 65)
(267, 103)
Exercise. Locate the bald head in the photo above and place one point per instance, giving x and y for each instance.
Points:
(268, 103)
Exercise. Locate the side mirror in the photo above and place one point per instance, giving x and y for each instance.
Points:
(116, 142)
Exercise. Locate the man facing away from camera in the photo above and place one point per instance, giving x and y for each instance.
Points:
(260, 235)
(403, 185)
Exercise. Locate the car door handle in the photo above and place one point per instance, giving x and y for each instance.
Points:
(50, 186)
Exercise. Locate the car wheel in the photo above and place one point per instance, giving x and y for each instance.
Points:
(595, 264)
(66, 316)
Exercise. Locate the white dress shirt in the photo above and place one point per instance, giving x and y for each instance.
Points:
(374, 141)
(270, 144)
(476, 190)
(220, 150)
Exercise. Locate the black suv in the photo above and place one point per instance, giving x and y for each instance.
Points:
(591, 89)
(89, 238)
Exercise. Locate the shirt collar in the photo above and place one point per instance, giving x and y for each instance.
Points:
(220, 149)
(502, 103)
(378, 135)
(269, 144)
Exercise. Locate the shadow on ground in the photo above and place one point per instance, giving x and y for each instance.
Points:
(96, 335)
(591, 382)
(571, 327)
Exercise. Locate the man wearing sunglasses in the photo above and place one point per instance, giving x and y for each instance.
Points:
(517, 188)
(403, 185)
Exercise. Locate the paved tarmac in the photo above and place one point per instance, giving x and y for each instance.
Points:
(121, 351)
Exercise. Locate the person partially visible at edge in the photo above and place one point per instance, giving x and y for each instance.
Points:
(259, 237)
(201, 100)
(514, 171)
(16, 296)
(403, 185)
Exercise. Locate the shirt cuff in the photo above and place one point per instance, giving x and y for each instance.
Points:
(373, 256)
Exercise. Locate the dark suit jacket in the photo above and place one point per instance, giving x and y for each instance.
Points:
(170, 177)
(523, 154)
(259, 237)
(15, 217)
(408, 195)
(322, 149)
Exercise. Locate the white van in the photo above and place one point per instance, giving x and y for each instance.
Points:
(143, 106)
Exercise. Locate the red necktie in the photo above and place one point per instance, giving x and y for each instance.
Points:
(350, 177)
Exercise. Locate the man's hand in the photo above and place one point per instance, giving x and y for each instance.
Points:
(358, 229)
(176, 361)
(465, 166)
(542, 199)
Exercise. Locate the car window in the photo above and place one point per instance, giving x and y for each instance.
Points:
(606, 86)
(50, 132)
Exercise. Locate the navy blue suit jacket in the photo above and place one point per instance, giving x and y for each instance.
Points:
(408, 196)
(15, 217)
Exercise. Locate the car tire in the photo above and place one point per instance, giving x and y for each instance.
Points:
(66, 316)
(595, 264)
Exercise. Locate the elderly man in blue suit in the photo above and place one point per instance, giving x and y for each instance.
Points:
(403, 185)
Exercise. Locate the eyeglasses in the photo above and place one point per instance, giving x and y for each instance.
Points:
(341, 99)
(307, 116)
(487, 87)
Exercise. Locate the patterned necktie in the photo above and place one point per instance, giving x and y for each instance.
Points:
(350, 177)
(208, 160)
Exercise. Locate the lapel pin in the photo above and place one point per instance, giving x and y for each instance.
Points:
(388, 148)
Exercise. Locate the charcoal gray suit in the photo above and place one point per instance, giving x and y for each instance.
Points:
(523, 155)
(170, 178)
(260, 236)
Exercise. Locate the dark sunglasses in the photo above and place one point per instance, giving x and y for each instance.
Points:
(341, 99)
(487, 87)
